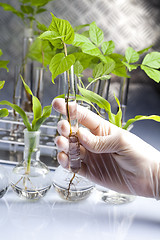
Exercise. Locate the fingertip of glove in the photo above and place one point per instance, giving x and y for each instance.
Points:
(83, 134)
(57, 104)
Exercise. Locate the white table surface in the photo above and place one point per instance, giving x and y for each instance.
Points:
(90, 219)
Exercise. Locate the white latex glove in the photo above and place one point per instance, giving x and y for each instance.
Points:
(111, 157)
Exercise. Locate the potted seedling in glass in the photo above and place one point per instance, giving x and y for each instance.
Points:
(31, 178)
(68, 184)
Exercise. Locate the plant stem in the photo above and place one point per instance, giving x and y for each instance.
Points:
(94, 80)
(29, 161)
(67, 98)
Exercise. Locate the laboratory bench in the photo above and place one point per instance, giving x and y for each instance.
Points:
(90, 219)
(52, 218)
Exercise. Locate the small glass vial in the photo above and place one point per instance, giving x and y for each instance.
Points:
(31, 178)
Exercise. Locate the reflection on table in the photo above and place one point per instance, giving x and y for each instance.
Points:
(54, 218)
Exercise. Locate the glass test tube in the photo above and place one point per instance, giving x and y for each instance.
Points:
(71, 112)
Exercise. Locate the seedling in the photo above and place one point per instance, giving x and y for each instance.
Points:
(28, 10)
(93, 48)
(39, 116)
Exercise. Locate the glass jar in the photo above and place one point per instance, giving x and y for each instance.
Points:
(69, 188)
(31, 179)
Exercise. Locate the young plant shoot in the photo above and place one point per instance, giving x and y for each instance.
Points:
(28, 10)
(39, 116)
(60, 34)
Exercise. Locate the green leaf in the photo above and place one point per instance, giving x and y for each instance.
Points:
(59, 64)
(109, 66)
(104, 104)
(152, 60)
(96, 34)
(46, 113)
(79, 27)
(20, 111)
(41, 27)
(86, 45)
(1, 53)
(108, 47)
(131, 55)
(3, 112)
(27, 9)
(105, 77)
(78, 68)
(90, 79)
(91, 49)
(81, 99)
(83, 58)
(117, 57)
(80, 40)
(50, 35)
(152, 73)
(85, 33)
(106, 59)
(97, 99)
(145, 50)
(118, 116)
(98, 70)
(8, 7)
(129, 66)
(41, 51)
(37, 108)
(41, 10)
(39, 3)
(140, 117)
(120, 70)
(63, 28)
(3, 64)
(2, 84)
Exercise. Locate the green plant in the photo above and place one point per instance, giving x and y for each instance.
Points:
(39, 116)
(116, 119)
(94, 51)
(28, 10)
(100, 55)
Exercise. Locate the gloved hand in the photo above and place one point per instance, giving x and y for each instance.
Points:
(111, 157)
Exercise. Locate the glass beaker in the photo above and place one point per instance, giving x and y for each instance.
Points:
(31, 178)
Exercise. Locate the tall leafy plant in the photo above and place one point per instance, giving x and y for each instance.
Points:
(39, 116)
(28, 10)
(90, 47)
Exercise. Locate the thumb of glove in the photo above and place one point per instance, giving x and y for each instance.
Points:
(98, 144)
